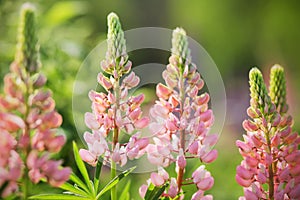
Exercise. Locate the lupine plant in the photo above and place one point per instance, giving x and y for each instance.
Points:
(271, 166)
(28, 120)
(114, 113)
(182, 120)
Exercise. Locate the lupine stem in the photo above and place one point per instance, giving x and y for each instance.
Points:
(271, 173)
(113, 171)
(182, 133)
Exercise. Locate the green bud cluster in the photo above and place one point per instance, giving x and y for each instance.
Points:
(27, 54)
(116, 43)
(277, 88)
(258, 91)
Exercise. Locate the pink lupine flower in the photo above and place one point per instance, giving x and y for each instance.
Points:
(11, 165)
(181, 121)
(115, 111)
(27, 112)
(143, 190)
(270, 147)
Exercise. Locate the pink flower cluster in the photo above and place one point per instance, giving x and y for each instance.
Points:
(11, 165)
(115, 111)
(28, 119)
(181, 124)
(270, 151)
(29, 116)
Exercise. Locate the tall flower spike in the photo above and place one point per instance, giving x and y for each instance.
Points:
(27, 54)
(28, 113)
(115, 112)
(181, 122)
(270, 147)
(278, 88)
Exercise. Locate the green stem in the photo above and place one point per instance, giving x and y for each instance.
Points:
(113, 174)
(271, 170)
(113, 171)
(182, 135)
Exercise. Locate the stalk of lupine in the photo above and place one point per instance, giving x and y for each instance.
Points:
(181, 124)
(32, 108)
(271, 165)
(114, 112)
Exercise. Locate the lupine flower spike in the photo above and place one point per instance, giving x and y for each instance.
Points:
(28, 119)
(271, 166)
(113, 111)
(181, 124)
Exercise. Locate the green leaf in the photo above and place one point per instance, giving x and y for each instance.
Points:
(70, 188)
(97, 175)
(154, 192)
(125, 195)
(59, 197)
(79, 182)
(114, 181)
(82, 168)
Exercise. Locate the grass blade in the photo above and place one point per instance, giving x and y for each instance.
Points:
(97, 175)
(58, 197)
(114, 181)
(79, 182)
(82, 168)
(70, 188)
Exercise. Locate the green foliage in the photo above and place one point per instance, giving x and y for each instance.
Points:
(89, 188)
(154, 192)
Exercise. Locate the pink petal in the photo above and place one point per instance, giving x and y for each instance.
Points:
(156, 179)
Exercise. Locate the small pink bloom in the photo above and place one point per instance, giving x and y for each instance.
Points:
(133, 153)
(91, 121)
(156, 179)
(210, 157)
(198, 195)
(244, 173)
(104, 81)
(142, 123)
(172, 192)
(243, 146)
(60, 176)
(88, 157)
(250, 125)
(163, 173)
(181, 161)
(143, 190)
(163, 91)
(206, 183)
(243, 182)
(249, 195)
(193, 148)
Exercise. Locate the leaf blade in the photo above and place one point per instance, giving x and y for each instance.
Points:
(58, 197)
(114, 181)
(82, 168)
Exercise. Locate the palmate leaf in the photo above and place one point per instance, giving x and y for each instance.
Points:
(154, 192)
(59, 197)
(115, 181)
(81, 166)
(74, 190)
(79, 182)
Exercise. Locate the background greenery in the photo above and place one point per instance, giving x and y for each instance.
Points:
(237, 35)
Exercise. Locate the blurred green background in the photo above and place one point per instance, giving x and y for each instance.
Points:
(237, 34)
